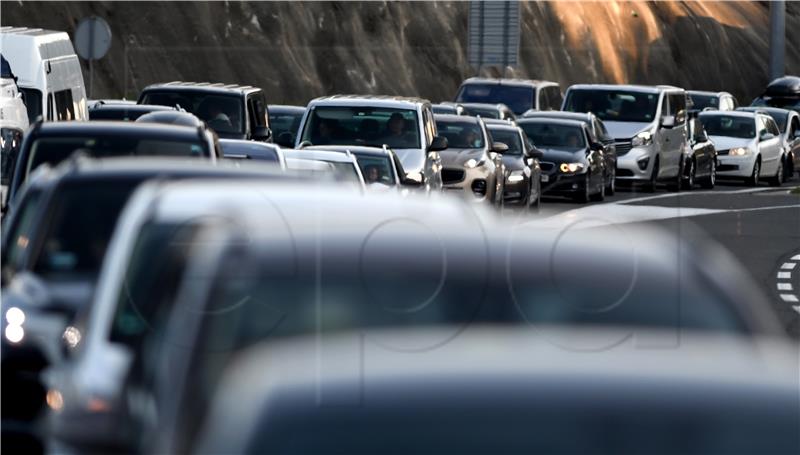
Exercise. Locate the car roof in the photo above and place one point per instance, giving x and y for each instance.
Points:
(203, 86)
(485, 105)
(369, 100)
(113, 128)
(356, 150)
(552, 121)
(501, 125)
(625, 87)
(508, 81)
(767, 109)
(705, 93)
(453, 118)
(735, 113)
(286, 109)
(130, 107)
(319, 155)
(580, 116)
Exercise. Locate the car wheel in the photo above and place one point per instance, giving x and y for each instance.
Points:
(600, 195)
(584, 196)
(688, 182)
(777, 180)
(710, 181)
(788, 169)
(754, 177)
(612, 185)
(676, 184)
(650, 186)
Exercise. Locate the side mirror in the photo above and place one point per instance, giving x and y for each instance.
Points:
(765, 136)
(668, 121)
(413, 179)
(536, 153)
(285, 140)
(499, 147)
(438, 144)
(261, 133)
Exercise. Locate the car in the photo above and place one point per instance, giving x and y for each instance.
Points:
(238, 149)
(748, 145)
(783, 92)
(485, 110)
(343, 165)
(380, 167)
(523, 185)
(54, 142)
(789, 125)
(48, 73)
(404, 125)
(284, 121)
(572, 162)
(483, 391)
(648, 124)
(518, 94)
(598, 133)
(13, 124)
(109, 110)
(233, 111)
(447, 107)
(472, 165)
(721, 101)
(701, 156)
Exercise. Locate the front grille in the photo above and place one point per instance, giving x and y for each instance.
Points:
(623, 147)
(723, 152)
(547, 166)
(452, 175)
(624, 173)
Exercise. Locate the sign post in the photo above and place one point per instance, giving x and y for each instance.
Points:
(92, 41)
(493, 34)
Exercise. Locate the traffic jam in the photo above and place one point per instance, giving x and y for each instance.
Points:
(510, 270)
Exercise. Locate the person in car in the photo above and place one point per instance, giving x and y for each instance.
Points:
(396, 134)
(573, 141)
(373, 174)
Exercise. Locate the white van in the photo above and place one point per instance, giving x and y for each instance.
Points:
(13, 124)
(48, 73)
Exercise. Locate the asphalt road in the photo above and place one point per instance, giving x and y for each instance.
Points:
(760, 226)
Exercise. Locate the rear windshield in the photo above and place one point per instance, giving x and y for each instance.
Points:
(376, 169)
(510, 138)
(486, 112)
(116, 113)
(548, 135)
(285, 122)
(371, 126)
(223, 113)
(461, 135)
(518, 99)
(700, 102)
(728, 125)
(614, 105)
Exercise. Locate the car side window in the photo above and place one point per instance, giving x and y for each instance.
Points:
(761, 126)
(65, 110)
(256, 110)
(772, 127)
(19, 235)
(795, 126)
(677, 104)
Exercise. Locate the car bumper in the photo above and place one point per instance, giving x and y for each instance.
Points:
(516, 192)
(555, 183)
(470, 183)
(629, 165)
(738, 167)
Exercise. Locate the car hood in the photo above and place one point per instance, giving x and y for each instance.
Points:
(413, 160)
(625, 130)
(563, 156)
(457, 157)
(513, 162)
(727, 142)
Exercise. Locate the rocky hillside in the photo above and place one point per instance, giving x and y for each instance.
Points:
(297, 51)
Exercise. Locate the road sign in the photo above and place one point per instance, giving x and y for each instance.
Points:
(92, 38)
(493, 33)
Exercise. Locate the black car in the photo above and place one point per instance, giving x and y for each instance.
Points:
(233, 111)
(783, 92)
(239, 149)
(486, 110)
(102, 110)
(598, 132)
(51, 143)
(285, 121)
(572, 163)
(700, 165)
(524, 176)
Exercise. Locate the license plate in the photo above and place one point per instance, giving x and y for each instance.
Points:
(545, 178)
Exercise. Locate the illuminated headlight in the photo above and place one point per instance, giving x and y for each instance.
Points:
(739, 151)
(72, 336)
(15, 316)
(516, 176)
(569, 168)
(643, 138)
(473, 163)
(14, 332)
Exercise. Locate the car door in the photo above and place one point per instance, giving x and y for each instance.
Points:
(678, 136)
(702, 149)
(793, 137)
(595, 158)
(668, 158)
(769, 144)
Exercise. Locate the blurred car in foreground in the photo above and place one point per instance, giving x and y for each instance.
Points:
(284, 122)
(238, 149)
(704, 100)
(104, 110)
(789, 125)
(340, 167)
(783, 92)
(523, 186)
(380, 167)
(472, 164)
(748, 145)
(485, 110)
(52, 143)
(701, 159)
(572, 163)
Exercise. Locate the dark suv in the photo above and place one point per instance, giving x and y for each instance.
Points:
(520, 95)
(233, 111)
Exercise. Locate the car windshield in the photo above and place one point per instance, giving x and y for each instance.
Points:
(518, 98)
(483, 112)
(614, 105)
(80, 224)
(783, 103)
(441, 109)
(376, 169)
(53, 150)
(461, 134)
(700, 102)
(550, 135)
(285, 122)
(728, 125)
(371, 126)
(510, 138)
(223, 113)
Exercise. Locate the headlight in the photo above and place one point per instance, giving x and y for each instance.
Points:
(568, 168)
(739, 151)
(516, 176)
(643, 138)
(473, 163)
(14, 332)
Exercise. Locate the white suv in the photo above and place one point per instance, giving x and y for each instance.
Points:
(647, 123)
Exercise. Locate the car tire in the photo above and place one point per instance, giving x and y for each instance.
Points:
(754, 178)
(650, 186)
(777, 180)
(584, 196)
(688, 182)
(675, 185)
(711, 181)
(612, 185)
(788, 169)
(537, 204)
(600, 195)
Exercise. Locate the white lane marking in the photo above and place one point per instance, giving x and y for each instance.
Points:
(758, 209)
(796, 258)
(693, 193)
(789, 298)
(605, 214)
(785, 286)
(784, 275)
(788, 266)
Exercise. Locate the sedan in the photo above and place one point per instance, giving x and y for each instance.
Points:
(472, 164)
(523, 185)
(789, 125)
(572, 164)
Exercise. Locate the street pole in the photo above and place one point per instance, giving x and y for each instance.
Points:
(777, 38)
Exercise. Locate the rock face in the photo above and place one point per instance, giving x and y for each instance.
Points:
(297, 50)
